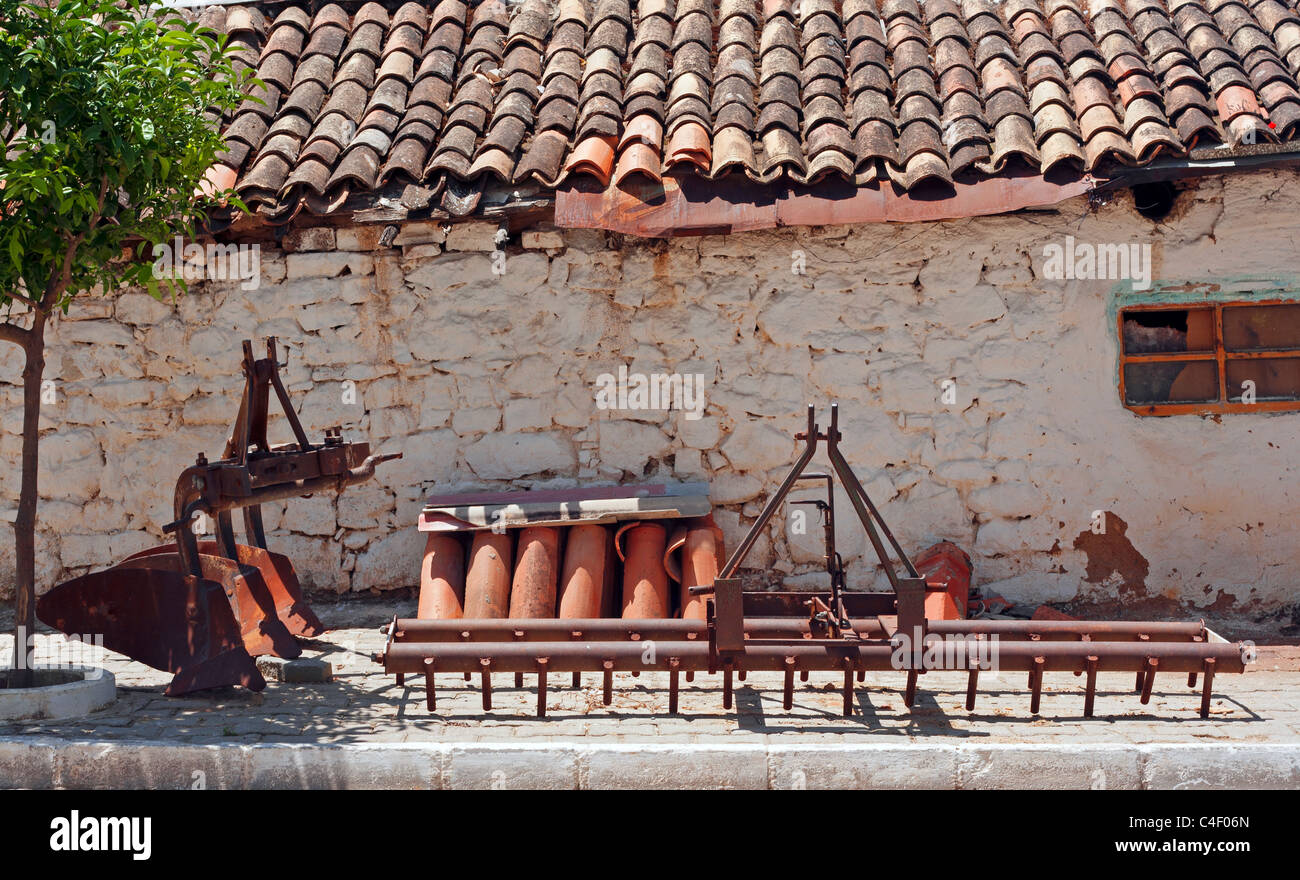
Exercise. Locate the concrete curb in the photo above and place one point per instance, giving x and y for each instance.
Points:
(44, 762)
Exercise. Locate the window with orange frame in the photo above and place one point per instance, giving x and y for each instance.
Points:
(1210, 358)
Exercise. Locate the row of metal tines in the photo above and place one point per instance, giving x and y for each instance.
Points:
(543, 647)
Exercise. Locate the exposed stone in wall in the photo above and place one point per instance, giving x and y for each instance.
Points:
(483, 371)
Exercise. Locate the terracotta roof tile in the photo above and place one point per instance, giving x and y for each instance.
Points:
(449, 94)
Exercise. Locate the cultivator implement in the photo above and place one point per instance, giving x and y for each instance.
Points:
(909, 630)
(203, 610)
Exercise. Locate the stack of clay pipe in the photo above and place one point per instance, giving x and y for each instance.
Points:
(636, 569)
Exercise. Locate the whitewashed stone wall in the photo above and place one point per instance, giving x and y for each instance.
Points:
(486, 379)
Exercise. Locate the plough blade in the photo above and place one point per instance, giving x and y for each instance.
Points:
(177, 623)
(278, 575)
(281, 579)
(245, 588)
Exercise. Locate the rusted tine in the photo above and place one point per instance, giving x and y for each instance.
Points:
(226, 535)
(726, 684)
(1191, 679)
(1149, 679)
(673, 666)
(1207, 673)
(848, 686)
(430, 694)
(1091, 693)
(909, 695)
(972, 682)
(1036, 685)
(1140, 680)
(518, 635)
(401, 679)
(542, 663)
(486, 663)
(608, 680)
(788, 700)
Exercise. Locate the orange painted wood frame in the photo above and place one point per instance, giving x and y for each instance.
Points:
(1217, 353)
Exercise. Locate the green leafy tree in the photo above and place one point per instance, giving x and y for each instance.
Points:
(106, 131)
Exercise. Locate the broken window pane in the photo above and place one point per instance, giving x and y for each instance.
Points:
(1159, 331)
(1171, 382)
(1274, 378)
(1257, 328)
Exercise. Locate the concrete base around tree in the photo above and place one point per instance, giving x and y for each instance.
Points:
(47, 763)
(57, 694)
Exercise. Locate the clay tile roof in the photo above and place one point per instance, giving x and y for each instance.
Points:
(453, 97)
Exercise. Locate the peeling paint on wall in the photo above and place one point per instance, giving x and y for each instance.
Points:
(1112, 558)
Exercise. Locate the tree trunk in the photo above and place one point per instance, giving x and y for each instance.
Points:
(25, 524)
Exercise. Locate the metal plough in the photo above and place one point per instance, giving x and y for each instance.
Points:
(203, 610)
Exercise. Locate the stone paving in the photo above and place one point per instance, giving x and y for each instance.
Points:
(363, 706)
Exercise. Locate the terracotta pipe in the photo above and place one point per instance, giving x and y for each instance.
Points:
(487, 585)
(583, 585)
(442, 578)
(533, 592)
(645, 581)
(611, 597)
(673, 559)
(701, 557)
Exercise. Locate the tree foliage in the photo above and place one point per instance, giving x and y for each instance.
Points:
(108, 122)
(107, 116)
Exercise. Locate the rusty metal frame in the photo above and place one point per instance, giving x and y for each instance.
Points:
(844, 633)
